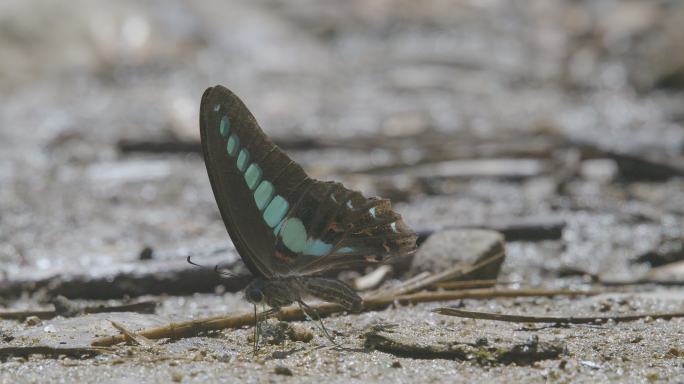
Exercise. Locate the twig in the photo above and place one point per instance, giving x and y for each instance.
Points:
(468, 284)
(373, 279)
(552, 319)
(293, 313)
(139, 307)
(131, 336)
(449, 274)
(77, 352)
(626, 283)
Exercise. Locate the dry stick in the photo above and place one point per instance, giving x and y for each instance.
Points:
(449, 274)
(131, 336)
(552, 319)
(140, 307)
(292, 313)
(627, 283)
(468, 284)
(78, 352)
(373, 279)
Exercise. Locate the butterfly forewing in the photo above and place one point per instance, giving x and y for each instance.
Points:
(281, 221)
(254, 182)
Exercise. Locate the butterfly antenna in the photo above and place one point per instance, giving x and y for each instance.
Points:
(189, 259)
(223, 273)
(318, 320)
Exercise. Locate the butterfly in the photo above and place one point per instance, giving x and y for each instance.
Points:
(290, 229)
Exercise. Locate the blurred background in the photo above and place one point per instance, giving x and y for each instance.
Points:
(465, 113)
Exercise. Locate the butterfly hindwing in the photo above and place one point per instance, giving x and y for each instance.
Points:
(343, 229)
(281, 221)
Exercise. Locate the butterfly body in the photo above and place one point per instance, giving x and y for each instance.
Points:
(289, 228)
(280, 292)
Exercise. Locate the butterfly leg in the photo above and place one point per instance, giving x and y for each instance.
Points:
(258, 318)
(256, 331)
(302, 306)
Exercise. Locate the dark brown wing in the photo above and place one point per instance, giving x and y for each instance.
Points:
(246, 195)
(344, 230)
(281, 221)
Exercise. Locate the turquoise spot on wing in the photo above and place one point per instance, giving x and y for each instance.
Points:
(263, 194)
(275, 211)
(233, 144)
(345, 250)
(253, 175)
(293, 234)
(349, 204)
(317, 248)
(243, 159)
(372, 212)
(394, 227)
(224, 126)
(217, 107)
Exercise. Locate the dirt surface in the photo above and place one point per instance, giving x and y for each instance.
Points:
(557, 123)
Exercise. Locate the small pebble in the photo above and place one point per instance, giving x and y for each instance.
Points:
(674, 352)
(32, 320)
(396, 364)
(299, 333)
(177, 377)
(599, 170)
(281, 370)
(146, 253)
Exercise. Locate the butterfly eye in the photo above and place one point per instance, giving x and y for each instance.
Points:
(254, 295)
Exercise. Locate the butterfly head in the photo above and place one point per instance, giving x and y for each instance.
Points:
(254, 292)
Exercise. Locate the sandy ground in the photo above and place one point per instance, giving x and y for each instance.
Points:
(464, 113)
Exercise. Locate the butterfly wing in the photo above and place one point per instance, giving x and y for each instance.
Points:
(281, 221)
(254, 182)
(332, 227)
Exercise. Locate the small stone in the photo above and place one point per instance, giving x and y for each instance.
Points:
(444, 250)
(219, 289)
(281, 370)
(590, 364)
(146, 253)
(652, 376)
(65, 307)
(32, 321)
(299, 333)
(177, 377)
(599, 170)
(396, 364)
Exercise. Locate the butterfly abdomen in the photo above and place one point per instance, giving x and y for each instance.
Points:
(334, 291)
